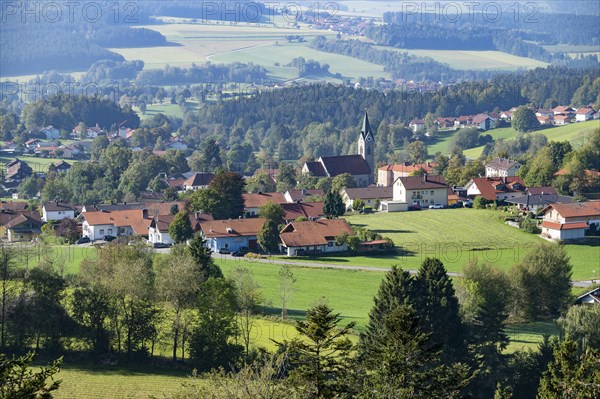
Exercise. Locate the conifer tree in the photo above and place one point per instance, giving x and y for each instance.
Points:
(334, 204)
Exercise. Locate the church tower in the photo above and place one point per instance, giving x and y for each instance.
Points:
(366, 145)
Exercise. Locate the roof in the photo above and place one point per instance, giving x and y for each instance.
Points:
(297, 195)
(231, 228)
(479, 118)
(352, 164)
(579, 209)
(584, 111)
(374, 192)
(564, 226)
(298, 234)
(13, 205)
(541, 190)
(175, 182)
(34, 224)
(132, 217)
(151, 196)
(408, 167)
(199, 180)
(303, 209)
(541, 199)
(256, 200)
(315, 168)
(423, 182)
(153, 208)
(62, 164)
(6, 215)
(563, 117)
(501, 163)
(366, 127)
(58, 206)
(162, 222)
(490, 187)
(594, 296)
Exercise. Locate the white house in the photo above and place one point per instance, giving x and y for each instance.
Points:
(51, 132)
(416, 124)
(502, 167)
(158, 230)
(584, 114)
(312, 237)
(57, 211)
(198, 181)
(570, 221)
(97, 225)
(231, 235)
(422, 190)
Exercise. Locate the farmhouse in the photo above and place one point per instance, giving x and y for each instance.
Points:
(584, 114)
(496, 188)
(537, 198)
(313, 237)
(371, 195)
(57, 211)
(158, 229)
(50, 132)
(231, 234)
(483, 122)
(570, 221)
(561, 120)
(17, 170)
(59, 167)
(502, 167)
(387, 174)
(562, 110)
(416, 124)
(97, 225)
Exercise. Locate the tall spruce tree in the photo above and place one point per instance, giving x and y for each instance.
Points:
(405, 366)
(395, 290)
(334, 204)
(438, 310)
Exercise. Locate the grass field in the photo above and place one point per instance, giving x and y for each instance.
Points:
(37, 164)
(283, 53)
(529, 335)
(575, 133)
(474, 60)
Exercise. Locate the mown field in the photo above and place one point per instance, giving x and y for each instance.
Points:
(37, 164)
(474, 60)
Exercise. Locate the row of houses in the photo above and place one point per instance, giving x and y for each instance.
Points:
(559, 115)
(480, 121)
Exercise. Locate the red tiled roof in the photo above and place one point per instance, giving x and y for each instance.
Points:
(198, 180)
(489, 186)
(298, 234)
(583, 111)
(409, 167)
(565, 226)
(540, 190)
(579, 209)
(256, 200)
(231, 228)
(133, 217)
(303, 209)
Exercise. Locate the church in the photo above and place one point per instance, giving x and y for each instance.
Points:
(361, 166)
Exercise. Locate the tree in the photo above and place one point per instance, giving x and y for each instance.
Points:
(396, 289)
(286, 287)
(228, 188)
(177, 280)
(571, 375)
(20, 380)
(268, 236)
(272, 211)
(203, 259)
(29, 187)
(582, 325)
(180, 229)
(210, 344)
(524, 120)
(438, 310)
(261, 182)
(416, 151)
(248, 299)
(7, 274)
(67, 229)
(344, 180)
(541, 169)
(541, 282)
(320, 354)
(286, 177)
(334, 204)
(358, 204)
(405, 366)
(92, 306)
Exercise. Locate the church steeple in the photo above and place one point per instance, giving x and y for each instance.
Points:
(366, 145)
(366, 128)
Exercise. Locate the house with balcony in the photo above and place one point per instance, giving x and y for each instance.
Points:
(570, 221)
(231, 234)
(422, 190)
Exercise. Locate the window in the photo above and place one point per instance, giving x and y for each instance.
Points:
(431, 192)
(101, 231)
(109, 231)
(330, 244)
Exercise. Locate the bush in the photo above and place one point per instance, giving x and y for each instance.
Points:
(479, 202)
(530, 226)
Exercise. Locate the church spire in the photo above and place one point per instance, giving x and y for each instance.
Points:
(366, 128)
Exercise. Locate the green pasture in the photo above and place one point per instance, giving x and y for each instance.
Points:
(529, 335)
(38, 164)
(474, 60)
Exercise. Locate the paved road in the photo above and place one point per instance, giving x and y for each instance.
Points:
(319, 264)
